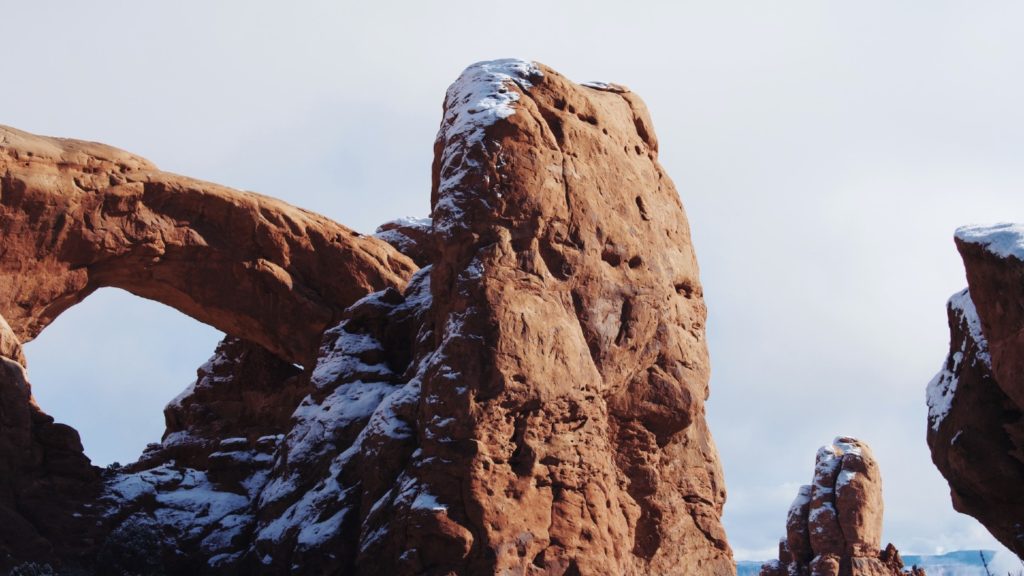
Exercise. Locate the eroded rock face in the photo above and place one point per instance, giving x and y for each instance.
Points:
(569, 318)
(530, 402)
(533, 401)
(76, 216)
(46, 483)
(834, 527)
(975, 410)
(243, 391)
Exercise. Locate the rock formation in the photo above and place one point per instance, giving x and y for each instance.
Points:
(834, 527)
(976, 401)
(76, 216)
(530, 402)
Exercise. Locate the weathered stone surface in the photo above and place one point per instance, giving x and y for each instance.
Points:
(243, 392)
(834, 527)
(410, 236)
(531, 402)
(976, 419)
(570, 330)
(45, 480)
(76, 216)
(195, 494)
(10, 345)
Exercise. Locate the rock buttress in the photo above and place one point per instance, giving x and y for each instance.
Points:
(531, 402)
(976, 401)
(559, 420)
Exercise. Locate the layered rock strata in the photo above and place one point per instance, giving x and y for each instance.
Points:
(530, 402)
(976, 401)
(834, 527)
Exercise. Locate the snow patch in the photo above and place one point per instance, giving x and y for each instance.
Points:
(481, 97)
(845, 477)
(942, 388)
(845, 445)
(405, 222)
(803, 498)
(1004, 240)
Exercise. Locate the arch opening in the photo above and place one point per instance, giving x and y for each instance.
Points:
(108, 366)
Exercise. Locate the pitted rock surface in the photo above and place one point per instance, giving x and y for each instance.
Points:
(530, 402)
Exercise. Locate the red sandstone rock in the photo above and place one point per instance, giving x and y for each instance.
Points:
(45, 480)
(410, 236)
(976, 419)
(242, 392)
(76, 216)
(532, 402)
(834, 527)
(571, 323)
(10, 346)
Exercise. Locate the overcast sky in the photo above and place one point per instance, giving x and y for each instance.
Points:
(825, 151)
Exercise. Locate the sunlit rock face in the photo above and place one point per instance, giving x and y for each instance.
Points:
(976, 401)
(834, 526)
(530, 401)
(77, 216)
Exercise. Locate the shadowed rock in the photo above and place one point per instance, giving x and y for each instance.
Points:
(76, 216)
(975, 410)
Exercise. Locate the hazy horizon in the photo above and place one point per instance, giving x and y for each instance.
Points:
(824, 151)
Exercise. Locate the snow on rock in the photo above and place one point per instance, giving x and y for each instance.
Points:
(411, 236)
(1004, 240)
(942, 389)
(975, 429)
(837, 520)
(606, 86)
(188, 505)
(360, 412)
(485, 93)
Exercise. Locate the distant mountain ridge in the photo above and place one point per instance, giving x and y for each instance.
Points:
(958, 563)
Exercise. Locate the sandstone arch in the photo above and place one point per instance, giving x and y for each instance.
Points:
(76, 216)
